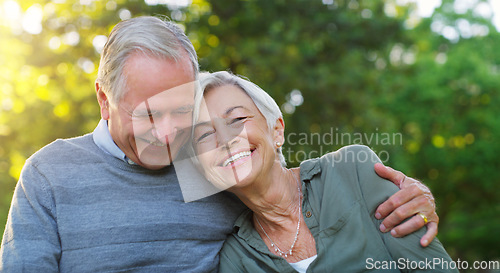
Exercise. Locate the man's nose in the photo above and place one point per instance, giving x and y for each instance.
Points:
(165, 129)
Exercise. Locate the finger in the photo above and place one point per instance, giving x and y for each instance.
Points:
(410, 182)
(410, 226)
(401, 213)
(432, 231)
(389, 173)
(420, 190)
(395, 219)
(396, 200)
(407, 210)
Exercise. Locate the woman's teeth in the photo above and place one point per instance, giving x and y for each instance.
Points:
(236, 157)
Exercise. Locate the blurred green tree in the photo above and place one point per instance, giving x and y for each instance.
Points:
(446, 104)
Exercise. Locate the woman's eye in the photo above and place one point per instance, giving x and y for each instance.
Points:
(203, 136)
(238, 119)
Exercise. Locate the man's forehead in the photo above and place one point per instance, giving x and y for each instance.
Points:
(178, 96)
(156, 72)
(184, 91)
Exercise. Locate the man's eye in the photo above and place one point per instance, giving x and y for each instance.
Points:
(142, 115)
(182, 112)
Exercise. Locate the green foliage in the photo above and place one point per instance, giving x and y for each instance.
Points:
(360, 70)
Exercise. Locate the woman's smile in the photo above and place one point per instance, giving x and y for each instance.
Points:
(236, 159)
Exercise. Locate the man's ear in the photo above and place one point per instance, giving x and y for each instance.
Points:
(279, 132)
(102, 98)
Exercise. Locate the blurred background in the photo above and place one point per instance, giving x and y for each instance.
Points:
(425, 71)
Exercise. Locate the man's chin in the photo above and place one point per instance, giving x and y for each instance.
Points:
(153, 166)
(161, 160)
(154, 157)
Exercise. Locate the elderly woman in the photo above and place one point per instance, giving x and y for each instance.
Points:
(320, 215)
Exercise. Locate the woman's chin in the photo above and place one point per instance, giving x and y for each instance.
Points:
(233, 177)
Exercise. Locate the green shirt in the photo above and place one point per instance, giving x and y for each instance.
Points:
(341, 193)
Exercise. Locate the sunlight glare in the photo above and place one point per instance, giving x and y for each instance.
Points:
(172, 4)
(484, 10)
(462, 6)
(54, 43)
(111, 5)
(11, 11)
(71, 38)
(425, 8)
(85, 2)
(495, 4)
(86, 65)
(11, 16)
(32, 19)
(450, 33)
(98, 42)
(124, 14)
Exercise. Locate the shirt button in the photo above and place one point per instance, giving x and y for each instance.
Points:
(308, 214)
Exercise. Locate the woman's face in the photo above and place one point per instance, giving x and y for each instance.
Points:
(231, 138)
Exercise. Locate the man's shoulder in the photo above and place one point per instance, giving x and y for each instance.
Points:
(342, 170)
(347, 157)
(64, 150)
(355, 165)
(351, 161)
(349, 154)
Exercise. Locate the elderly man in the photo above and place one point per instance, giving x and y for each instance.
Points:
(110, 201)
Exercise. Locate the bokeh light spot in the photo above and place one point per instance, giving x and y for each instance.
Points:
(98, 42)
(32, 19)
(438, 141)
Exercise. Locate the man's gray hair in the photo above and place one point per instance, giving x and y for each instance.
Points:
(149, 35)
(264, 102)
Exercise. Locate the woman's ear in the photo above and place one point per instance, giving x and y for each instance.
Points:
(102, 99)
(279, 132)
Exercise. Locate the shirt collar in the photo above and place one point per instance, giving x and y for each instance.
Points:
(244, 228)
(310, 168)
(103, 140)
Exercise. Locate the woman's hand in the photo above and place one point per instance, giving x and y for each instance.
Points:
(414, 200)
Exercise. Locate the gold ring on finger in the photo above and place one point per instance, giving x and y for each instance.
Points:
(423, 217)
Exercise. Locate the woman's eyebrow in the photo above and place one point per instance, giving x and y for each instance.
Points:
(228, 111)
(209, 122)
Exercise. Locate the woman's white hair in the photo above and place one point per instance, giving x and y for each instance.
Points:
(264, 102)
(149, 35)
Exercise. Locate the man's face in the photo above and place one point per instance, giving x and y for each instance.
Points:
(152, 121)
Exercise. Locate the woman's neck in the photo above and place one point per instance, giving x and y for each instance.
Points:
(275, 198)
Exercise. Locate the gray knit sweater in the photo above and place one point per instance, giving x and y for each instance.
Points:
(78, 209)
